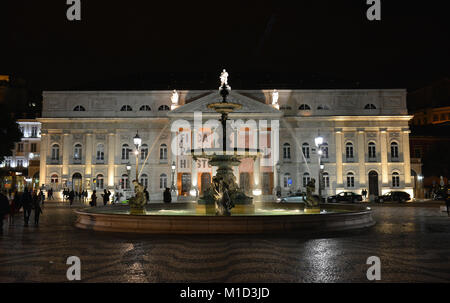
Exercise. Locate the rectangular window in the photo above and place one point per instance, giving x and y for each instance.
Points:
(33, 147)
(34, 131)
(20, 147)
(19, 163)
(182, 163)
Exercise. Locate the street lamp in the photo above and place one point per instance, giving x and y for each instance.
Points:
(173, 176)
(128, 173)
(137, 142)
(319, 141)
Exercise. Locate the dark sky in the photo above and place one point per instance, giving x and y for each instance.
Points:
(163, 44)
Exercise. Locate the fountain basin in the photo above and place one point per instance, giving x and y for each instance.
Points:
(181, 218)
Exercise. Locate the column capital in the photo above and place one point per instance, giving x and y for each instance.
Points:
(383, 130)
(360, 130)
(338, 130)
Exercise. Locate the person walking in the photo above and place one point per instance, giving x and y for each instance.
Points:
(71, 197)
(167, 196)
(106, 195)
(37, 212)
(27, 206)
(12, 211)
(94, 198)
(147, 195)
(4, 209)
(447, 204)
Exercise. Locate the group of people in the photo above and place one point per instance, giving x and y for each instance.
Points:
(71, 195)
(29, 201)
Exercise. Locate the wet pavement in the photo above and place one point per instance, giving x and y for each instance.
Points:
(413, 244)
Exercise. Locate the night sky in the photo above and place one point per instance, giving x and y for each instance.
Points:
(165, 44)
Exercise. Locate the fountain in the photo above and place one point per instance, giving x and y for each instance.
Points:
(224, 194)
(224, 208)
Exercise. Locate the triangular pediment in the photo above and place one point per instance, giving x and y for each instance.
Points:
(249, 106)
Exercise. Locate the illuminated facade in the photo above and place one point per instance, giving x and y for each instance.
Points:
(87, 140)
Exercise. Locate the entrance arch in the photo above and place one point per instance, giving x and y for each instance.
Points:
(205, 181)
(373, 185)
(77, 182)
(185, 184)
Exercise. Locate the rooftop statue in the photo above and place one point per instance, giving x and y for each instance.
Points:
(174, 97)
(275, 97)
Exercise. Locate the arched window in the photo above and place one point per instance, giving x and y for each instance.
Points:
(372, 151)
(394, 150)
(77, 152)
(304, 107)
(326, 179)
(145, 108)
(395, 179)
(125, 152)
(306, 179)
(124, 182)
(55, 152)
(287, 181)
(286, 151)
(54, 179)
(370, 106)
(100, 152)
(350, 180)
(100, 181)
(163, 152)
(163, 108)
(349, 151)
(126, 108)
(144, 151)
(144, 180)
(79, 108)
(323, 107)
(324, 149)
(163, 181)
(305, 150)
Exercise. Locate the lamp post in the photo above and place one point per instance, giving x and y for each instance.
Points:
(319, 141)
(172, 188)
(128, 173)
(137, 143)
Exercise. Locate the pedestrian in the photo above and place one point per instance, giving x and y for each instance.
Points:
(94, 198)
(27, 204)
(447, 204)
(4, 209)
(147, 195)
(42, 197)
(12, 211)
(37, 211)
(71, 197)
(167, 196)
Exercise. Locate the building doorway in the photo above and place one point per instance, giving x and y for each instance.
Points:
(77, 182)
(206, 182)
(373, 185)
(244, 182)
(185, 184)
(267, 183)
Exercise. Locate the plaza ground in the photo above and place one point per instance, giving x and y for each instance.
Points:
(412, 241)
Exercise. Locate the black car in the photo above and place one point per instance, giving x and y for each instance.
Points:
(345, 196)
(399, 196)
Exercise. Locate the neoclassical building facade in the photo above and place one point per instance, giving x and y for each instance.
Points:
(87, 140)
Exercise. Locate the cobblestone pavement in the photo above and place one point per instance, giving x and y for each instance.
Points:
(413, 244)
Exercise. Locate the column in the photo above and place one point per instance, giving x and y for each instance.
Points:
(111, 154)
(384, 157)
(66, 147)
(43, 158)
(275, 146)
(339, 182)
(194, 176)
(88, 157)
(361, 159)
(406, 157)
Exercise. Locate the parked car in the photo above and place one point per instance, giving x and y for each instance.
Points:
(345, 196)
(399, 196)
(298, 197)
